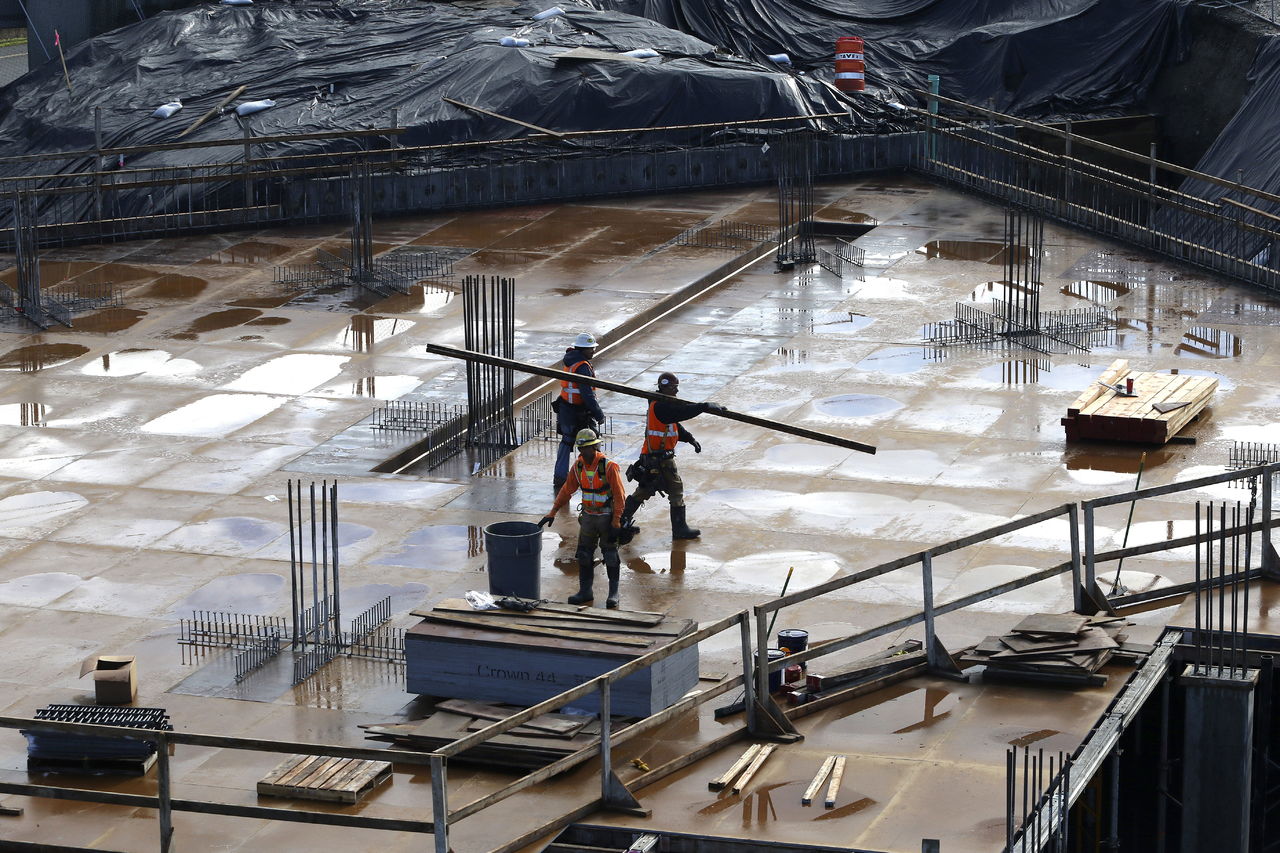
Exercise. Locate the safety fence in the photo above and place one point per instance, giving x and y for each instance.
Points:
(763, 717)
(1233, 234)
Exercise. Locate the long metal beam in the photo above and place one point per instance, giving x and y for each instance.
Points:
(618, 387)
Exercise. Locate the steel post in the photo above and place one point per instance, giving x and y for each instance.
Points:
(1090, 547)
(1077, 592)
(926, 575)
(762, 655)
(164, 782)
(748, 684)
(606, 742)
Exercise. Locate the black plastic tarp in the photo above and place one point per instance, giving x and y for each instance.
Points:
(1035, 58)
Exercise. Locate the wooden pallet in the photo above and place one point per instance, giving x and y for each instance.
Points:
(1102, 413)
(318, 777)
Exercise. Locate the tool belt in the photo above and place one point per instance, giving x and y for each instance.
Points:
(646, 470)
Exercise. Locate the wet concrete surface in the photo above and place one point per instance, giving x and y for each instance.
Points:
(144, 457)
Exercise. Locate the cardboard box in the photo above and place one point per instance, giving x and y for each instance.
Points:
(115, 678)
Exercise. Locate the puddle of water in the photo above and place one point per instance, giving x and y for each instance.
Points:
(248, 252)
(844, 811)
(256, 593)
(114, 273)
(35, 357)
(377, 387)
(214, 415)
(438, 546)
(1020, 371)
(841, 323)
(296, 373)
(126, 362)
(31, 509)
(1116, 459)
(768, 570)
(898, 360)
(174, 286)
(896, 711)
(962, 250)
(107, 320)
(232, 536)
(1206, 342)
(1096, 290)
(38, 590)
(359, 598)
(1033, 737)
(883, 287)
(421, 299)
(856, 405)
(268, 321)
(998, 290)
(365, 330)
(805, 457)
(228, 319)
(24, 414)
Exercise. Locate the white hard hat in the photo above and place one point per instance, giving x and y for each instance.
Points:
(585, 340)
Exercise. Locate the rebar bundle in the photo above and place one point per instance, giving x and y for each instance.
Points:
(488, 309)
(794, 164)
(1042, 785)
(1222, 619)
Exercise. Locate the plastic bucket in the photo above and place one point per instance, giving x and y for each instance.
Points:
(515, 556)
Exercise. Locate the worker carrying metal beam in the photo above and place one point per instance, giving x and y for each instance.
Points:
(599, 517)
(655, 471)
(576, 408)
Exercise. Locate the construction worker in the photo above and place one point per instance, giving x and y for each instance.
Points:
(576, 408)
(598, 521)
(656, 469)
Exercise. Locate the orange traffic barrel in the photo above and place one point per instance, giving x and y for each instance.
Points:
(851, 67)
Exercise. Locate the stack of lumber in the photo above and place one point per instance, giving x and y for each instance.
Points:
(897, 661)
(319, 777)
(1054, 648)
(534, 744)
(525, 657)
(1161, 405)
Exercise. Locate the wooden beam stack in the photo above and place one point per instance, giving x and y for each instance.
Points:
(1163, 403)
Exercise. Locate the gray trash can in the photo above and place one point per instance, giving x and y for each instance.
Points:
(515, 555)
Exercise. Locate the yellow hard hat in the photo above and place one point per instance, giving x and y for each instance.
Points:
(586, 438)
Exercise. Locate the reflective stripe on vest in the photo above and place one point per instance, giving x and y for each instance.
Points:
(569, 391)
(659, 436)
(594, 483)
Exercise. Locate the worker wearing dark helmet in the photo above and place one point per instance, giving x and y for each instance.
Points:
(599, 518)
(576, 408)
(656, 468)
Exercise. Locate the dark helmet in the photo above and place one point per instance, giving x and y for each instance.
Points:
(668, 380)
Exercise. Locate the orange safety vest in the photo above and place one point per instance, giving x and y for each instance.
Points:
(597, 495)
(659, 436)
(569, 391)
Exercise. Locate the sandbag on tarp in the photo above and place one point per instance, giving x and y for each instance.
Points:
(347, 66)
(1035, 58)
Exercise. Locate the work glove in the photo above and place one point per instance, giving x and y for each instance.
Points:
(714, 407)
(547, 521)
(697, 448)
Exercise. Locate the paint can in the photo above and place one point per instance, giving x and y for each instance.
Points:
(793, 640)
(775, 675)
(792, 674)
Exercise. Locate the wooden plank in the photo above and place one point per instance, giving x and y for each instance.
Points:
(818, 779)
(837, 776)
(300, 768)
(558, 610)
(1052, 623)
(734, 769)
(1096, 389)
(353, 771)
(228, 99)
(323, 771)
(536, 619)
(547, 722)
(756, 763)
(483, 111)
(477, 621)
(283, 767)
(1026, 644)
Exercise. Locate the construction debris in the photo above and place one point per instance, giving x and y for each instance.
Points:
(892, 660)
(1128, 405)
(1052, 648)
(821, 776)
(55, 752)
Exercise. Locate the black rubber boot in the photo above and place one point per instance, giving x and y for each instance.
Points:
(586, 577)
(615, 573)
(629, 510)
(679, 528)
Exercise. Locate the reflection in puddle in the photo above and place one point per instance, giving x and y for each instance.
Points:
(438, 546)
(297, 373)
(856, 405)
(1033, 737)
(248, 252)
(126, 362)
(35, 357)
(1207, 342)
(1096, 290)
(886, 711)
(999, 290)
(844, 811)
(789, 356)
(841, 322)
(899, 359)
(1017, 371)
(421, 299)
(1114, 458)
(967, 250)
(365, 330)
(382, 387)
(23, 414)
(213, 322)
(214, 415)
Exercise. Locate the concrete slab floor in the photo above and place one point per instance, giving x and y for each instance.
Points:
(143, 455)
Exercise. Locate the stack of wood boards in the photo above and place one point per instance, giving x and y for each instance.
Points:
(1163, 403)
(320, 777)
(538, 742)
(1063, 648)
(905, 658)
(524, 658)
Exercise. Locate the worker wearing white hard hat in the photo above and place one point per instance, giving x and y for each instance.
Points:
(576, 408)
